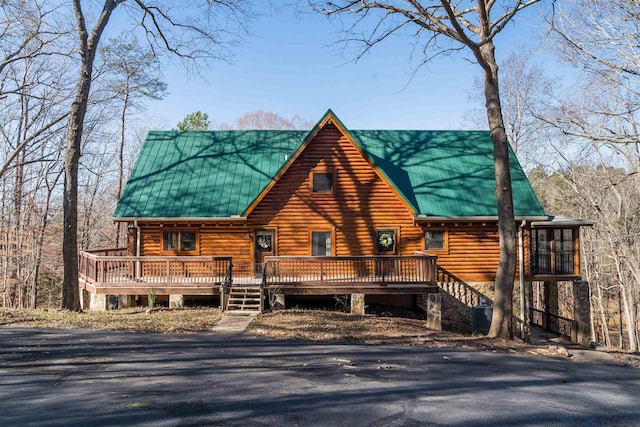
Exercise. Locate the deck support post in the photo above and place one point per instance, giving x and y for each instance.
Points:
(176, 301)
(434, 311)
(98, 302)
(126, 301)
(278, 302)
(357, 304)
(581, 326)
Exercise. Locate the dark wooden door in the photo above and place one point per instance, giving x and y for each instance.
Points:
(386, 244)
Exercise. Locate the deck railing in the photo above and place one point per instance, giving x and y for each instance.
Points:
(105, 268)
(166, 271)
(108, 252)
(382, 270)
(552, 322)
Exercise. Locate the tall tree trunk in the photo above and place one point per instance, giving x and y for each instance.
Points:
(501, 324)
(602, 304)
(630, 321)
(123, 118)
(88, 46)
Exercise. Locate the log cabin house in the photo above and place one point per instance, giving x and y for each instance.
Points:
(256, 217)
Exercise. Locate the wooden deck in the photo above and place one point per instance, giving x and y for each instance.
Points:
(109, 272)
(352, 274)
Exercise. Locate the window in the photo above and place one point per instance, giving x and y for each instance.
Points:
(322, 182)
(385, 241)
(435, 240)
(179, 241)
(321, 243)
(552, 251)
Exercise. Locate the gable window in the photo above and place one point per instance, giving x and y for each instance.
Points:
(386, 241)
(179, 241)
(321, 243)
(552, 251)
(435, 240)
(322, 182)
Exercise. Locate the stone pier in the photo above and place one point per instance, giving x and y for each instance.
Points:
(581, 327)
(357, 304)
(434, 311)
(176, 301)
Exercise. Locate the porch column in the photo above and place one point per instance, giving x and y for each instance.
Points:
(581, 326)
(98, 302)
(176, 301)
(357, 304)
(434, 311)
(550, 303)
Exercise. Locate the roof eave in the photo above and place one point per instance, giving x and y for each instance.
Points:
(232, 218)
(556, 221)
(429, 218)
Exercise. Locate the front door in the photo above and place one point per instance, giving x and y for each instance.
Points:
(264, 246)
(386, 244)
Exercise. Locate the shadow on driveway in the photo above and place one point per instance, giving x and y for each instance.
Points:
(65, 377)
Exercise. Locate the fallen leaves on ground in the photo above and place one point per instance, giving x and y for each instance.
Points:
(318, 325)
(162, 320)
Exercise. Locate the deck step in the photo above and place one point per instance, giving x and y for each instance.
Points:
(244, 300)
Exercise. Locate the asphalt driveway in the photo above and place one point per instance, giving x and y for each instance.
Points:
(60, 377)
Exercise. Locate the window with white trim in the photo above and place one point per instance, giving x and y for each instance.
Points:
(321, 243)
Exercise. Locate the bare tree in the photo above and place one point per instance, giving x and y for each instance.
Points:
(268, 120)
(444, 26)
(134, 75)
(525, 91)
(32, 109)
(190, 32)
(600, 119)
(32, 34)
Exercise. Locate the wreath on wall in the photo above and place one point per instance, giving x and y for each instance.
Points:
(264, 242)
(385, 240)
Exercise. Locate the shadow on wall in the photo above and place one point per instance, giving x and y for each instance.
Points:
(458, 297)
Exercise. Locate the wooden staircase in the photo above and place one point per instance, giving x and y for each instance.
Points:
(244, 299)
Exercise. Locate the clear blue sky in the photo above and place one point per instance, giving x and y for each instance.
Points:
(289, 66)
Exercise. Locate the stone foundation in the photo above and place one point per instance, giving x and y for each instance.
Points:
(98, 302)
(581, 328)
(176, 301)
(357, 304)
(434, 311)
(458, 299)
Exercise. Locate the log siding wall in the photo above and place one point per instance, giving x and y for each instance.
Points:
(360, 203)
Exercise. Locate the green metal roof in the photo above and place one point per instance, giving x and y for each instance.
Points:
(219, 174)
(204, 174)
(446, 173)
